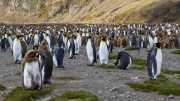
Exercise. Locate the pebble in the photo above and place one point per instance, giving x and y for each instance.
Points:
(171, 96)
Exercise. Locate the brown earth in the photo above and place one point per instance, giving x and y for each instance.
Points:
(89, 11)
(107, 85)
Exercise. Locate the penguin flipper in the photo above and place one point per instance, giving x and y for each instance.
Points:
(154, 64)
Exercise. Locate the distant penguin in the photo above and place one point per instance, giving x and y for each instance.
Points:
(103, 52)
(61, 42)
(91, 51)
(10, 42)
(58, 55)
(72, 47)
(110, 46)
(76, 45)
(36, 39)
(30, 72)
(125, 60)
(46, 61)
(155, 39)
(24, 47)
(4, 44)
(176, 41)
(17, 50)
(140, 41)
(44, 46)
(41, 38)
(154, 60)
(133, 41)
(150, 42)
(48, 40)
(78, 39)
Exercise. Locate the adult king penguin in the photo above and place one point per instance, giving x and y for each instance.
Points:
(154, 61)
(125, 60)
(58, 55)
(17, 50)
(91, 51)
(30, 71)
(103, 51)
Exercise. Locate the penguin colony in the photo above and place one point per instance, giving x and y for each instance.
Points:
(37, 64)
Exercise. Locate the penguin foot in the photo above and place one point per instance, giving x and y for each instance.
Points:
(92, 64)
(70, 58)
(104, 64)
(76, 54)
(16, 61)
(19, 62)
(74, 57)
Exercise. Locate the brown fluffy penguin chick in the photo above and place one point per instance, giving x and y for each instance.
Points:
(56, 40)
(32, 40)
(83, 40)
(114, 42)
(24, 47)
(124, 43)
(166, 45)
(144, 43)
(30, 71)
(44, 46)
(118, 42)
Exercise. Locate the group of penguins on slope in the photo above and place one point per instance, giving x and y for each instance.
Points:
(37, 64)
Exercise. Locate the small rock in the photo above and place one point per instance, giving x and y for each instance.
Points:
(171, 96)
(100, 91)
(128, 96)
(113, 89)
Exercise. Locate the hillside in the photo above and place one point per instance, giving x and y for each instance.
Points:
(89, 11)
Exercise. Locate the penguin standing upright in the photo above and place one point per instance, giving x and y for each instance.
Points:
(110, 45)
(30, 71)
(176, 41)
(72, 47)
(154, 60)
(91, 51)
(48, 40)
(46, 61)
(10, 42)
(78, 39)
(58, 55)
(36, 39)
(17, 50)
(103, 52)
(140, 41)
(125, 60)
(76, 45)
(133, 41)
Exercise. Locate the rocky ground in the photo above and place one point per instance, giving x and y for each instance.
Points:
(107, 85)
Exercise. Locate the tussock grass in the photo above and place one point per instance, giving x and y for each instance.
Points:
(147, 50)
(171, 72)
(76, 96)
(138, 61)
(18, 73)
(129, 48)
(161, 85)
(2, 87)
(18, 94)
(175, 52)
(111, 56)
(138, 68)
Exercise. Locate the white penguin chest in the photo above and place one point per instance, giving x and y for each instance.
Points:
(159, 57)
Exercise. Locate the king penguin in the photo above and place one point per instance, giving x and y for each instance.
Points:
(30, 72)
(76, 45)
(103, 51)
(46, 61)
(36, 39)
(17, 50)
(71, 47)
(91, 51)
(58, 55)
(133, 41)
(125, 60)
(154, 60)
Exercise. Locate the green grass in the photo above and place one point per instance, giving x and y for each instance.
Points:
(175, 52)
(107, 67)
(76, 96)
(160, 85)
(138, 61)
(111, 56)
(18, 73)
(2, 87)
(172, 72)
(18, 94)
(138, 68)
(147, 50)
(179, 76)
(129, 48)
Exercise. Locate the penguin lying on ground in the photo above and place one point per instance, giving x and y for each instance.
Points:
(30, 72)
(91, 51)
(58, 55)
(154, 61)
(125, 60)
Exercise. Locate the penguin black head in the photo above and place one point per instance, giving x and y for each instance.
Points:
(75, 37)
(77, 31)
(17, 36)
(89, 37)
(158, 45)
(104, 39)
